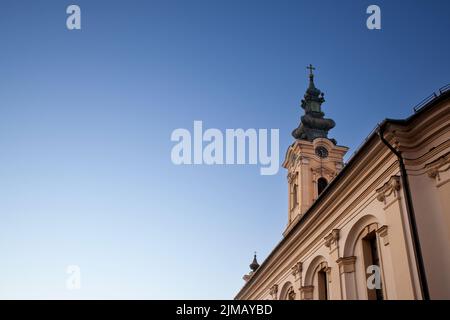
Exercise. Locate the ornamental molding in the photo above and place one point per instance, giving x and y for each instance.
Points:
(294, 159)
(297, 269)
(273, 291)
(322, 171)
(331, 240)
(323, 266)
(383, 233)
(346, 264)
(292, 176)
(306, 293)
(391, 187)
(291, 293)
(438, 167)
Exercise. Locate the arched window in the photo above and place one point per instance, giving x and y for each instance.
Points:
(362, 244)
(321, 185)
(316, 283)
(372, 258)
(287, 292)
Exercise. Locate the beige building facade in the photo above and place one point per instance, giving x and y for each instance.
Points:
(377, 227)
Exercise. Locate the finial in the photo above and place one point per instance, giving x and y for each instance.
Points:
(311, 68)
(254, 265)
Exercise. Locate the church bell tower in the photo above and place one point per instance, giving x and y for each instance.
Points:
(313, 160)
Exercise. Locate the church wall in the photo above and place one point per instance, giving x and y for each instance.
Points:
(426, 146)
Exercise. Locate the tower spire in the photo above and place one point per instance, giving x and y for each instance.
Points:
(313, 124)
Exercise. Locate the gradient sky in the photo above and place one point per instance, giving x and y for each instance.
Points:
(86, 116)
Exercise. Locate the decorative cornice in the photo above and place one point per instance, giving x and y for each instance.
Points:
(390, 187)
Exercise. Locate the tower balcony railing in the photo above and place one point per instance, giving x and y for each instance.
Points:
(431, 97)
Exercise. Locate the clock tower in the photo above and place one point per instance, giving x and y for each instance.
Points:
(313, 160)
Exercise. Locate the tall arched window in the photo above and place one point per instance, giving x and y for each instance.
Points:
(321, 185)
(362, 247)
(372, 257)
(316, 281)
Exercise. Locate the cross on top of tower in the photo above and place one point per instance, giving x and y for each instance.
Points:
(311, 68)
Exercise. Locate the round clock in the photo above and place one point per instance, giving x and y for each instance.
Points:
(322, 152)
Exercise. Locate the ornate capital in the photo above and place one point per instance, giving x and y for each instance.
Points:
(390, 188)
(273, 291)
(297, 270)
(383, 233)
(347, 264)
(438, 167)
(331, 240)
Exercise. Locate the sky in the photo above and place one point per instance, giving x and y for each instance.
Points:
(86, 118)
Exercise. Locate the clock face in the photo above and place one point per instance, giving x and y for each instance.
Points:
(322, 152)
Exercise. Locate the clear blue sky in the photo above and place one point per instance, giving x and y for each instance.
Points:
(86, 117)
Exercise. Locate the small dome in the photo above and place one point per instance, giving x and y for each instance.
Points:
(254, 265)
